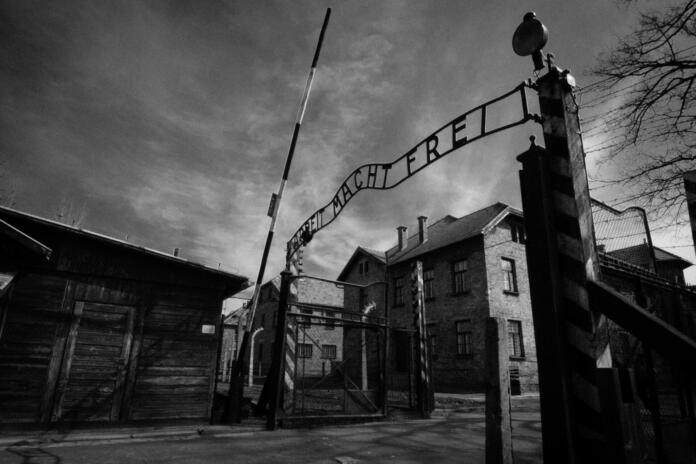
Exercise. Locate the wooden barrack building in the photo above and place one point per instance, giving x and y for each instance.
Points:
(94, 329)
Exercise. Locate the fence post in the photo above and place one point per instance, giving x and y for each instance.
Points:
(572, 340)
(498, 425)
(424, 392)
(277, 375)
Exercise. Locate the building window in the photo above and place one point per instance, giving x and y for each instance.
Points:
(399, 291)
(305, 320)
(367, 267)
(517, 233)
(275, 319)
(432, 341)
(515, 345)
(360, 269)
(260, 356)
(304, 350)
(330, 324)
(428, 284)
(509, 275)
(328, 351)
(461, 276)
(463, 339)
(263, 320)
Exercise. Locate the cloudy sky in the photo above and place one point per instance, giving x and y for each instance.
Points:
(167, 123)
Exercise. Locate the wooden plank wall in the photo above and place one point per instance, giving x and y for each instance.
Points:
(33, 316)
(169, 362)
(176, 363)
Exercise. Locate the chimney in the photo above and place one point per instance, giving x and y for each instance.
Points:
(422, 229)
(403, 237)
(176, 251)
(690, 187)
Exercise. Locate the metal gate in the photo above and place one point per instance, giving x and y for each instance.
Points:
(331, 352)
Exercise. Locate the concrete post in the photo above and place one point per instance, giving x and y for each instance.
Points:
(424, 393)
(572, 340)
(498, 425)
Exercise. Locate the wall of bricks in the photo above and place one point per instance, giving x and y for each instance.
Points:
(451, 371)
(509, 305)
(327, 294)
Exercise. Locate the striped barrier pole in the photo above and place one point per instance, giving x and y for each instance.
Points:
(236, 383)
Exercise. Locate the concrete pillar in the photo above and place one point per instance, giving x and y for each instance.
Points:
(572, 340)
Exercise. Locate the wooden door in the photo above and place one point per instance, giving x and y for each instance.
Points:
(94, 367)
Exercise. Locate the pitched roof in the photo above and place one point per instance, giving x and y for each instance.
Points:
(10, 215)
(640, 255)
(449, 230)
(378, 255)
(663, 255)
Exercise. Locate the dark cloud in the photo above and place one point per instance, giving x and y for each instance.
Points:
(170, 120)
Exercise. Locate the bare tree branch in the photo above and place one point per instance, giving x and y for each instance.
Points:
(648, 83)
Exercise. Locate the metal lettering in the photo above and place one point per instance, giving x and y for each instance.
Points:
(432, 150)
(371, 175)
(435, 147)
(355, 179)
(346, 192)
(337, 201)
(385, 168)
(456, 129)
(410, 159)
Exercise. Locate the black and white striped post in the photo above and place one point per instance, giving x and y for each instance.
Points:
(237, 380)
(572, 340)
(424, 393)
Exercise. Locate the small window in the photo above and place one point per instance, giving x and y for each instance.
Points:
(399, 291)
(432, 340)
(275, 319)
(263, 320)
(330, 323)
(305, 319)
(328, 351)
(367, 267)
(463, 339)
(429, 284)
(515, 345)
(304, 350)
(260, 356)
(509, 275)
(461, 276)
(517, 233)
(360, 269)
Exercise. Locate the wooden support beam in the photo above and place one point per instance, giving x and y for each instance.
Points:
(23, 239)
(650, 329)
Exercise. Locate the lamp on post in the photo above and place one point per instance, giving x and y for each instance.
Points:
(529, 38)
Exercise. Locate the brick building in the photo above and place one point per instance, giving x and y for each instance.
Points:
(232, 330)
(473, 267)
(318, 344)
